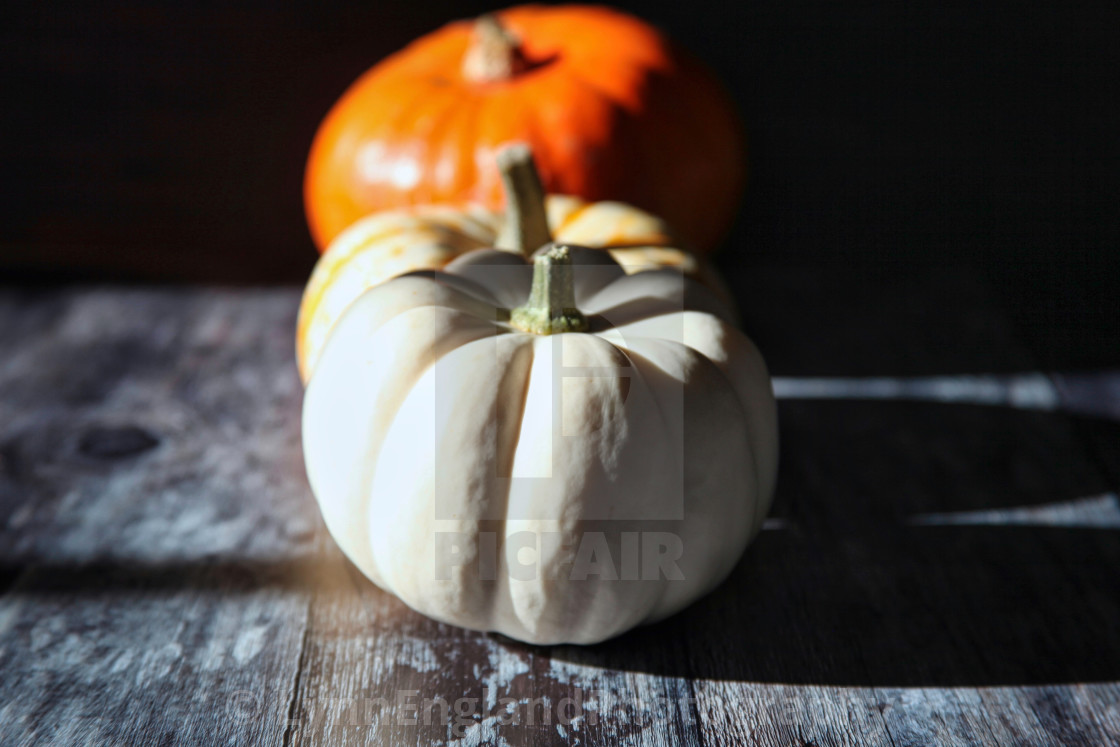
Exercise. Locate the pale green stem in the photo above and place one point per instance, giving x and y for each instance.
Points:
(551, 308)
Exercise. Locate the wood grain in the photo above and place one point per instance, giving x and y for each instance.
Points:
(151, 498)
(166, 579)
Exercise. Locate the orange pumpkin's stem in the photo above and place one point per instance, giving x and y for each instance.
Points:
(526, 221)
(494, 53)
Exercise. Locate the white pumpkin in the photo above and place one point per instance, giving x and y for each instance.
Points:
(558, 485)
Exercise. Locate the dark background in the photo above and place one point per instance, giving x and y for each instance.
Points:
(166, 141)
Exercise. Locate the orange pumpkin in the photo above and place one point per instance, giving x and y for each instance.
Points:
(611, 109)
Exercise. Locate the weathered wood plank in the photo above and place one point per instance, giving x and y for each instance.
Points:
(152, 517)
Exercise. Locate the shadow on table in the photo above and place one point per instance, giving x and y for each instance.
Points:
(962, 606)
(851, 590)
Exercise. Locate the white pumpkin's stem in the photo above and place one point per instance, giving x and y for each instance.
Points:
(551, 308)
(526, 223)
(494, 53)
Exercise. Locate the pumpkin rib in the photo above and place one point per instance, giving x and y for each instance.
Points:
(395, 384)
(446, 346)
(700, 134)
(579, 30)
(430, 158)
(442, 110)
(638, 362)
(322, 280)
(462, 145)
(626, 143)
(601, 144)
(621, 236)
(510, 451)
(492, 113)
(731, 392)
(747, 351)
(401, 120)
(663, 591)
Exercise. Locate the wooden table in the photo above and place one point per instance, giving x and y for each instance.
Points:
(942, 565)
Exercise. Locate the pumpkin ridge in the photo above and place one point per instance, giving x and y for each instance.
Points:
(765, 497)
(490, 123)
(503, 588)
(761, 502)
(444, 111)
(402, 385)
(621, 131)
(463, 138)
(459, 126)
(713, 369)
(637, 363)
(443, 346)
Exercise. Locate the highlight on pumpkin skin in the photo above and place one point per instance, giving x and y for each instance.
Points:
(612, 109)
(392, 243)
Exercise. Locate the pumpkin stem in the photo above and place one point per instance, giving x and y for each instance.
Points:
(494, 54)
(551, 308)
(526, 223)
